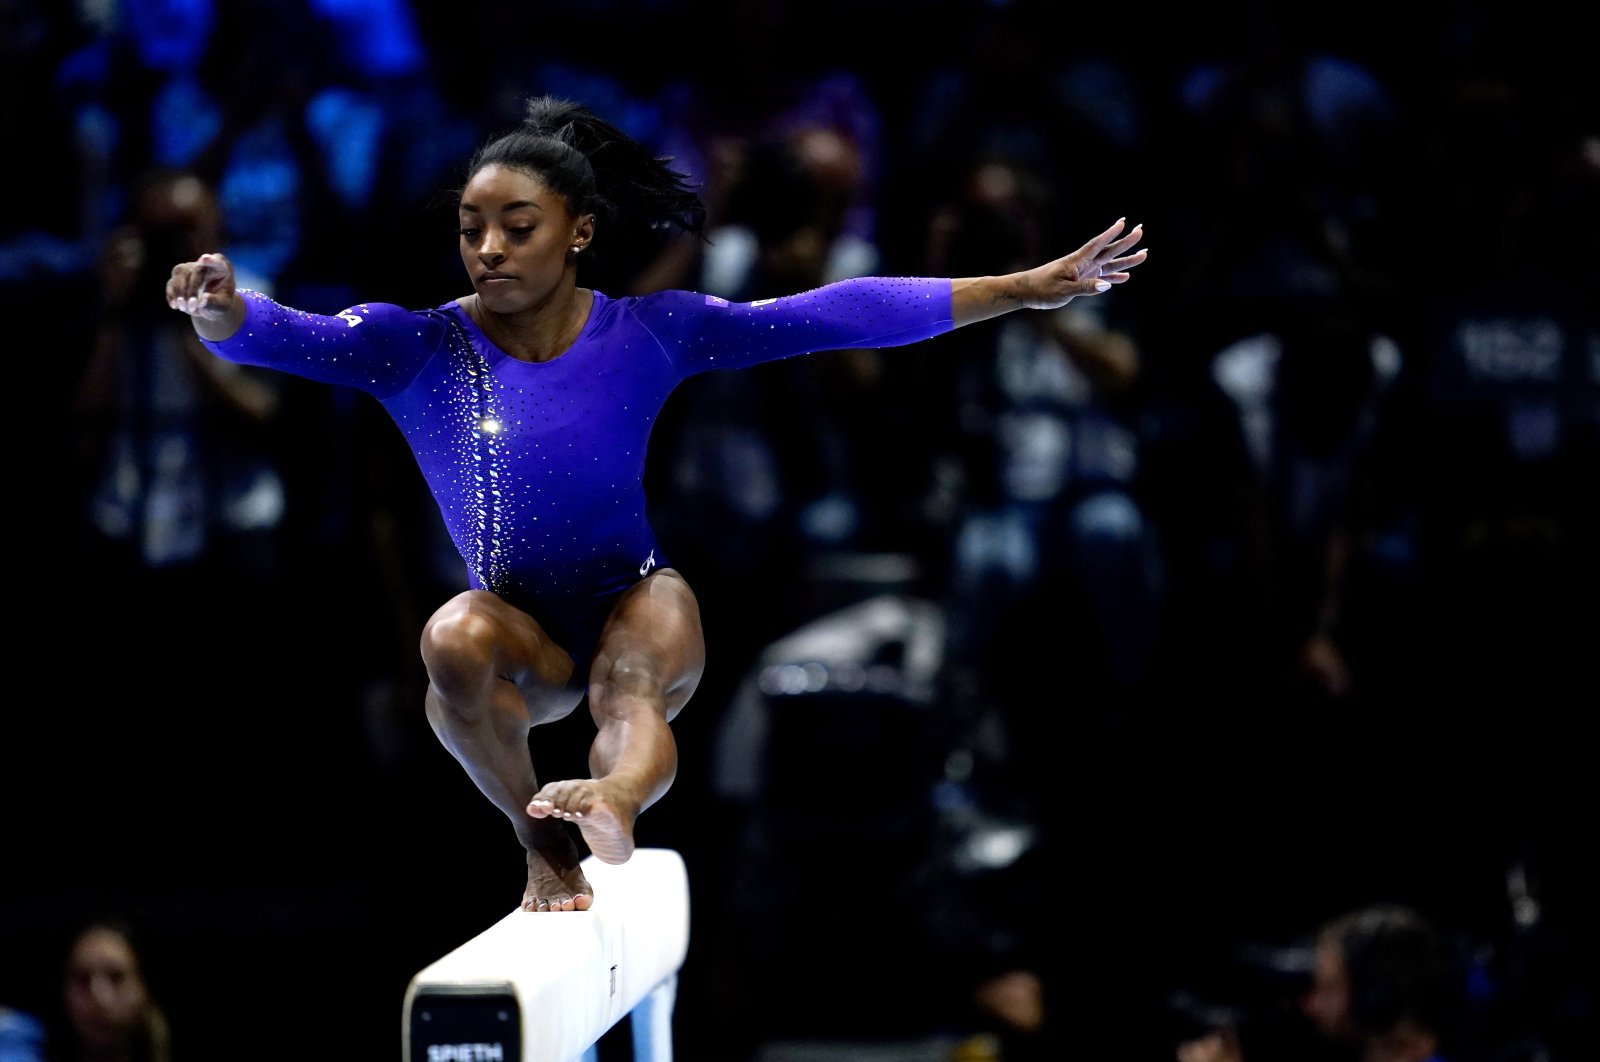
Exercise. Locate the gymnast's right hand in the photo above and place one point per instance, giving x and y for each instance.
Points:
(204, 289)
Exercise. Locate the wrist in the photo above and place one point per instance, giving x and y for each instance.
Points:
(218, 329)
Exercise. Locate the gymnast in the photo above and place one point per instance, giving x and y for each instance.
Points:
(528, 404)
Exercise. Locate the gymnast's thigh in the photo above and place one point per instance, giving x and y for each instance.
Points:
(658, 618)
(478, 625)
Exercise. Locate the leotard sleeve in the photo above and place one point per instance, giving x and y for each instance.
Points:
(376, 347)
(703, 332)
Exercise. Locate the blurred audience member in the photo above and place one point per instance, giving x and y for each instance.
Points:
(1308, 392)
(183, 490)
(786, 223)
(175, 449)
(1048, 524)
(1384, 986)
(111, 1014)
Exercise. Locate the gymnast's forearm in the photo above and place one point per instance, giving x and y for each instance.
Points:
(975, 299)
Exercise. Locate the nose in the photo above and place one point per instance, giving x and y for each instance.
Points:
(492, 248)
(102, 991)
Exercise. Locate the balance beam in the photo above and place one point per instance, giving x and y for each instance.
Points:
(544, 987)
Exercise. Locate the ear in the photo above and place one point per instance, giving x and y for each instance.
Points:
(582, 231)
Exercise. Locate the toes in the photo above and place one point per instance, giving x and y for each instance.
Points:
(547, 809)
(562, 902)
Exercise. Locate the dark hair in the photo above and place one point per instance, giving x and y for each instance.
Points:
(637, 197)
(1399, 969)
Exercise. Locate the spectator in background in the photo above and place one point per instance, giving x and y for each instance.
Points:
(110, 1013)
(1385, 986)
(1282, 355)
(1309, 393)
(1049, 527)
(175, 450)
(185, 494)
(1384, 979)
(785, 228)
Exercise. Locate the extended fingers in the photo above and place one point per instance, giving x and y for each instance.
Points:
(1095, 247)
(1106, 253)
(1115, 249)
(1113, 264)
(1122, 265)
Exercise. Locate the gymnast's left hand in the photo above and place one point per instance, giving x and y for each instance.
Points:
(1096, 267)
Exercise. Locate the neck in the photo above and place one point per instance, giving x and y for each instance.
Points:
(540, 332)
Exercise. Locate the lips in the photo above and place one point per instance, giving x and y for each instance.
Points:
(486, 277)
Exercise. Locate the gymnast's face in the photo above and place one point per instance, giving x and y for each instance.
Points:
(517, 239)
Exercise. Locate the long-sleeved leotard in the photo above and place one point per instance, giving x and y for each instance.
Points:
(538, 467)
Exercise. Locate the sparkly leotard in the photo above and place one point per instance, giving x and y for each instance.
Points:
(538, 467)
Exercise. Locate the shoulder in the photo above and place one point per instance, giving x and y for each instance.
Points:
(394, 323)
(669, 303)
(671, 299)
(387, 313)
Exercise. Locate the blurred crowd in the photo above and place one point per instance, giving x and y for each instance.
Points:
(1105, 643)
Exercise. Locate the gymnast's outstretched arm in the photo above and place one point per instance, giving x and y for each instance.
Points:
(1090, 270)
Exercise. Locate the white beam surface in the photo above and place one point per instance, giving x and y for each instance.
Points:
(543, 987)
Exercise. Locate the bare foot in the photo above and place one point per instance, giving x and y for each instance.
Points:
(603, 816)
(555, 875)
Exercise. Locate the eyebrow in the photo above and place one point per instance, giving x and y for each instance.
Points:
(515, 204)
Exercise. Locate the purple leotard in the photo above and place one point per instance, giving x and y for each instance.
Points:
(538, 467)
